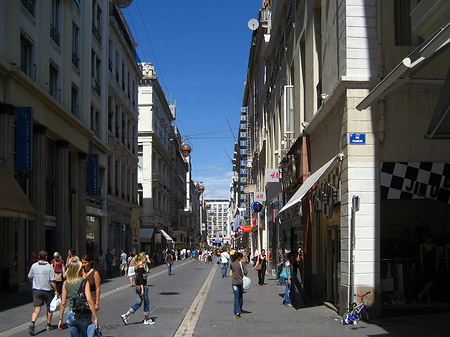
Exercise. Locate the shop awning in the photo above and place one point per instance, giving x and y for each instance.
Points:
(13, 201)
(440, 122)
(166, 236)
(307, 185)
(145, 234)
(421, 54)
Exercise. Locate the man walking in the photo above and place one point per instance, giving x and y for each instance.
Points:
(224, 258)
(169, 261)
(123, 263)
(44, 287)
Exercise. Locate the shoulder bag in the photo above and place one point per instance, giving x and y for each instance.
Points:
(80, 302)
(246, 281)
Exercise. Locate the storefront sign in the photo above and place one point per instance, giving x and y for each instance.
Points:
(93, 174)
(259, 196)
(273, 175)
(24, 138)
(415, 180)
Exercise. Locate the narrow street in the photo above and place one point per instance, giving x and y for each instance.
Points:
(197, 301)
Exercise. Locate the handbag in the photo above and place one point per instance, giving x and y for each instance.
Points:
(246, 281)
(80, 303)
(284, 274)
(58, 277)
(55, 303)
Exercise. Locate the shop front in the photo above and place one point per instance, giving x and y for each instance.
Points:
(415, 233)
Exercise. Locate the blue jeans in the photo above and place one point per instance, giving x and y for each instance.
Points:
(287, 298)
(140, 299)
(224, 269)
(80, 326)
(238, 291)
(169, 268)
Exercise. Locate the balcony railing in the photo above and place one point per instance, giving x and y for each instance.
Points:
(54, 34)
(97, 34)
(30, 6)
(75, 60)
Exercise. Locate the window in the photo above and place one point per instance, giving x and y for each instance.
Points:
(95, 121)
(95, 73)
(140, 156)
(110, 56)
(50, 177)
(30, 5)
(75, 45)
(54, 25)
(53, 83)
(402, 22)
(96, 22)
(26, 64)
(74, 106)
(117, 65)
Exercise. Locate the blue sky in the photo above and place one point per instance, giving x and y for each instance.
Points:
(200, 51)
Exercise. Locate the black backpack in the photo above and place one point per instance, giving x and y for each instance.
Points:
(80, 303)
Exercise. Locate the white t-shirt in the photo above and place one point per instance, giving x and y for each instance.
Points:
(123, 258)
(224, 257)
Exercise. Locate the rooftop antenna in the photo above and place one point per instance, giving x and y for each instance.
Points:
(253, 24)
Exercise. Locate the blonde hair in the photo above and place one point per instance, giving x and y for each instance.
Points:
(141, 256)
(73, 270)
(57, 255)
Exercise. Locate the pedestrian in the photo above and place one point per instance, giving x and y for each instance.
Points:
(70, 255)
(169, 261)
(297, 293)
(101, 264)
(141, 291)
(239, 269)
(44, 288)
(59, 268)
(288, 275)
(79, 324)
(109, 263)
(261, 266)
(132, 268)
(123, 263)
(224, 260)
(93, 277)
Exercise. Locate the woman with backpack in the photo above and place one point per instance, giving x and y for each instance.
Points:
(80, 324)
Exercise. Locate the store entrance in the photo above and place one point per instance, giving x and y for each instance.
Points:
(332, 265)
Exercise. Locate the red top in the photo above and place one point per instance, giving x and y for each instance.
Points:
(58, 265)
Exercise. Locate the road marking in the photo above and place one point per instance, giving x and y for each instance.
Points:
(24, 326)
(189, 322)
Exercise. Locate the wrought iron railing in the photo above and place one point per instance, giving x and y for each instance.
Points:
(54, 34)
(30, 6)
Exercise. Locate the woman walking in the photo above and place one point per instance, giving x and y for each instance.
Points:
(60, 269)
(141, 291)
(239, 269)
(93, 277)
(79, 325)
(261, 266)
(132, 268)
(288, 265)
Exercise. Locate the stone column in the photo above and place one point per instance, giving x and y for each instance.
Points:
(37, 189)
(81, 194)
(62, 210)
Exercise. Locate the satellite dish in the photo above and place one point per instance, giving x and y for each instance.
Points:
(123, 3)
(253, 24)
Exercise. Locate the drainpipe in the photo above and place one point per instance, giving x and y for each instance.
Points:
(355, 208)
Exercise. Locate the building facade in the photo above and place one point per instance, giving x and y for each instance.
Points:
(346, 100)
(54, 94)
(217, 227)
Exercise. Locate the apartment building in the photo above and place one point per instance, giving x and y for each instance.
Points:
(347, 100)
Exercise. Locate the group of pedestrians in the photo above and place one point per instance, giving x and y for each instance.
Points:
(77, 277)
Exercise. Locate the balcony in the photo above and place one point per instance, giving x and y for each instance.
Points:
(29, 6)
(75, 60)
(54, 34)
(97, 34)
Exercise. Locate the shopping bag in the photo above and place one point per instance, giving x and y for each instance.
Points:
(55, 303)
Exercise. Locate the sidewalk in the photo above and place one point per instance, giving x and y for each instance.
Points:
(266, 316)
(16, 308)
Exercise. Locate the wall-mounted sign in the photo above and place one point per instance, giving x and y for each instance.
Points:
(257, 207)
(357, 138)
(24, 138)
(273, 175)
(259, 196)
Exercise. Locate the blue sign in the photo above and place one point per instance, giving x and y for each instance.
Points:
(357, 138)
(93, 174)
(257, 207)
(24, 138)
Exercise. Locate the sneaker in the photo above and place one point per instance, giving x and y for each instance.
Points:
(124, 319)
(237, 316)
(49, 327)
(149, 321)
(31, 329)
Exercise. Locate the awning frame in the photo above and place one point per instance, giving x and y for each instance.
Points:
(309, 183)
